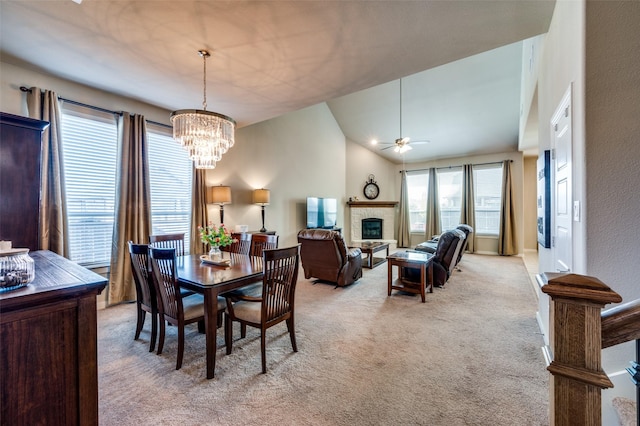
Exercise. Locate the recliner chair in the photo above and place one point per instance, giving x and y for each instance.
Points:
(325, 256)
(449, 245)
(468, 230)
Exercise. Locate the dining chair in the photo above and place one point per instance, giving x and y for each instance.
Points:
(260, 242)
(174, 307)
(146, 294)
(175, 241)
(242, 244)
(276, 304)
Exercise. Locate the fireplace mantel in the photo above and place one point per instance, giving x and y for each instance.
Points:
(372, 204)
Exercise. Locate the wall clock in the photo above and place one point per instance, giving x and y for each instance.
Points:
(371, 189)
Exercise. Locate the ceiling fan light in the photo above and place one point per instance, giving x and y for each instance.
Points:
(403, 149)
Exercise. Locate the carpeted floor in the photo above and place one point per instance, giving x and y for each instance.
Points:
(470, 355)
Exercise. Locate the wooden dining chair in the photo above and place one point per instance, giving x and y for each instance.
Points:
(276, 303)
(242, 244)
(173, 307)
(146, 294)
(260, 242)
(175, 241)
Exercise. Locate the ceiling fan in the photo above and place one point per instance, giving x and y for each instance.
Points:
(402, 144)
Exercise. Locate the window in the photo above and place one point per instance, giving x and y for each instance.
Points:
(170, 172)
(417, 186)
(450, 196)
(487, 181)
(90, 149)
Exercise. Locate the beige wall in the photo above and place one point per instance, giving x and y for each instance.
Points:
(612, 99)
(13, 101)
(484, 244)
(361, 163)
(592, 46)
(297, 155)
(562, 67)
(530, 206)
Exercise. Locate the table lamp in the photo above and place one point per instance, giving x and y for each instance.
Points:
(261, 196)
(219, 195)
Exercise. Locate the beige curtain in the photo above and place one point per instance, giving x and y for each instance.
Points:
(53, 227)
(433, 206)
(133, 204)
(404, 223)
(507, 236)
(199, 213)
(467, 209)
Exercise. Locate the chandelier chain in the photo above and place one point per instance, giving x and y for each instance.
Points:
(204, 55)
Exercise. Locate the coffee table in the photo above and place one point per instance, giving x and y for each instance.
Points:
(412, 260)
(370, 247)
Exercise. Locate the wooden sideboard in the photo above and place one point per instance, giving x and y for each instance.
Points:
(48, 346)
(20, 153)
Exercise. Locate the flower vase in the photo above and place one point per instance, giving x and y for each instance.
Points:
(215, 254)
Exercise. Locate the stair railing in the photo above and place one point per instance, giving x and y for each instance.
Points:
(622, 324)
(576, 345)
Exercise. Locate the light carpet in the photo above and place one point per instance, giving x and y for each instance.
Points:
(470, 355)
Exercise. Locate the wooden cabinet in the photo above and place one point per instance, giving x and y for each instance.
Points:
(48, 346)
(20, 152)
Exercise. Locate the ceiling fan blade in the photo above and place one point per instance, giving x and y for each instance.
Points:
(387, 147)
(420, 142)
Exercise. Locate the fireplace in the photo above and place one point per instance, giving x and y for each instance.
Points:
(371, 229)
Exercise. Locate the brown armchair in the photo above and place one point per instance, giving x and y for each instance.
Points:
(325, 256)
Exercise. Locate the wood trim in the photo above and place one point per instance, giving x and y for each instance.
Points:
(373, 204)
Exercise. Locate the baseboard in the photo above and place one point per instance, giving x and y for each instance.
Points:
(546, 353)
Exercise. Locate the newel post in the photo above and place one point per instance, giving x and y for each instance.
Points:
(578, 379)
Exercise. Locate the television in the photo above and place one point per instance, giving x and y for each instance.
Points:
(322, 212)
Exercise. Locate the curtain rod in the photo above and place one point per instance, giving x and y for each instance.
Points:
(449, 167)
(108, 111)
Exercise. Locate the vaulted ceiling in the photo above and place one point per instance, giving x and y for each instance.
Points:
(459, 61)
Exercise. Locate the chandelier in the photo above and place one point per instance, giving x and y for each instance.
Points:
(204, 134)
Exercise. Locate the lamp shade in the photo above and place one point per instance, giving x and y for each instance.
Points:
(219, 195)
(261, 196)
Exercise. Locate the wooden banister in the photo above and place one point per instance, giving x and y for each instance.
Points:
(576, 339)
(621, 324)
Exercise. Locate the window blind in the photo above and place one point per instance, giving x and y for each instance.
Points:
(89, 140)
(170, 172)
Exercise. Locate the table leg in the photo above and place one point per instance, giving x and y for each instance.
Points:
(431, 276)
(389, 276)
(211, 329)
(423, 282)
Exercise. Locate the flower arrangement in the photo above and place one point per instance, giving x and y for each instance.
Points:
(215, 236)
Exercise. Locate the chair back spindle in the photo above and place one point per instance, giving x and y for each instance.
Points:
(261, 242)
(175, 241)
(242, 244)
(164, 271)
(139, 254)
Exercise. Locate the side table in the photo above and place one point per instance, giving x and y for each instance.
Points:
(368, 248)
(413, 260)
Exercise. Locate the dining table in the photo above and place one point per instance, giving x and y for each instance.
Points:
(197, 273)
